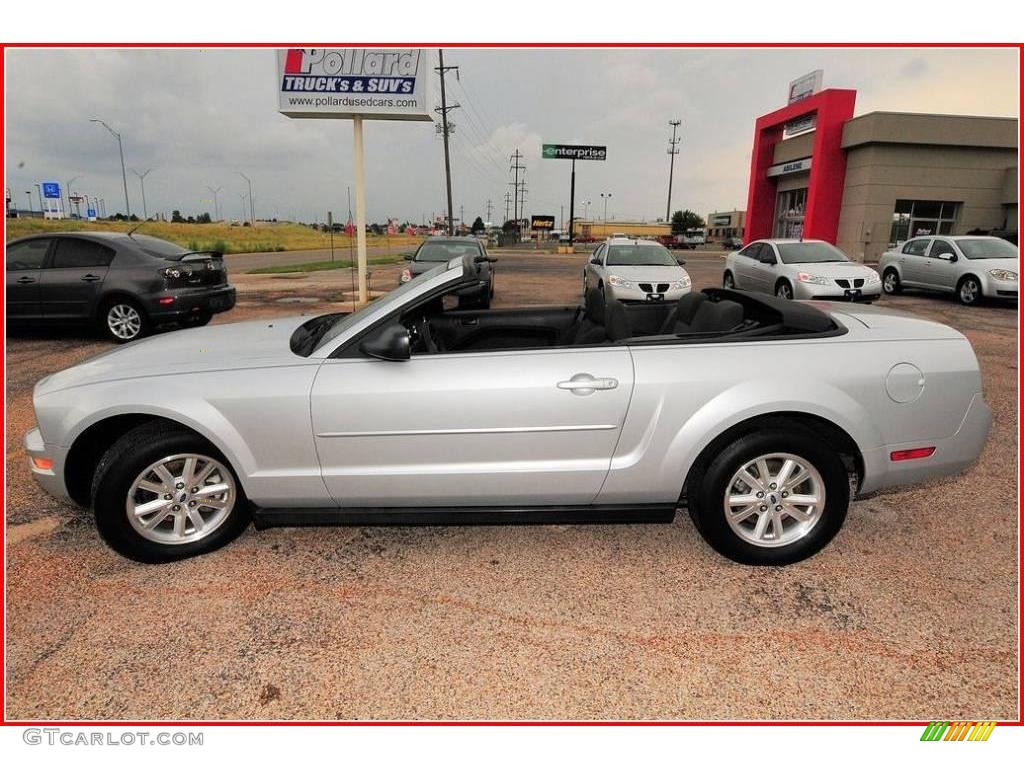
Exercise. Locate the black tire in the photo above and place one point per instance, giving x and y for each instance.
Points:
(968, 291)
(197, 320)
(891, 282)
(117, 471)
(706, 495)
(728, 282)
(784, 290)
(113, 311)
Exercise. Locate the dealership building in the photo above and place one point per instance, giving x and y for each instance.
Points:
(869, 182)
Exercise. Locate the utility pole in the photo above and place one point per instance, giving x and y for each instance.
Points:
(508, 202)
(124, 176)
(489, 206)
(252, 210)
(444, 109)
(517, 185)
(672, 152)
(142, 183)
(216, 203)
(462, 215)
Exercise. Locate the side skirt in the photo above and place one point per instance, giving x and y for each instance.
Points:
(265, 517)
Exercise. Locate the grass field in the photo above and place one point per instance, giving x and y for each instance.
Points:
(265, 237)
(316, 266)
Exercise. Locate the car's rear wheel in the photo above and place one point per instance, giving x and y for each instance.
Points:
(728, 282)
(891, 282)
(771, 498)
(969, 291)
(162, 494)
(784, 290)
(123, 320)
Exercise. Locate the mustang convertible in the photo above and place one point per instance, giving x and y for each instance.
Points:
(761, 417)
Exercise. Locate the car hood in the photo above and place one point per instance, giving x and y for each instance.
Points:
(840, 269)
(648, 274)
(253, 344)
(1010, 265)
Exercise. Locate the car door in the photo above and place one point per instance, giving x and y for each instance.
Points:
(913, 261)
(74, 275)
(24, 263)
(762, 271)
(744, 263)
(942, 266)
(501, 428)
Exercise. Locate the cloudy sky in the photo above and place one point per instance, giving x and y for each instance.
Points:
(198, 117)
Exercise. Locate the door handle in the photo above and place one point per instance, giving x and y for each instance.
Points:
(585, 384)
(91, 278)
(24, 280)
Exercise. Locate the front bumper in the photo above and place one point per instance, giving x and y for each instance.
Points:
(187, 302)
(836, 293)
(952, 454)
(51, 480)
(1000, 289)
(636, 294)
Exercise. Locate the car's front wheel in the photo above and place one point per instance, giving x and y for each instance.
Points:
(891, 282)
(123, 320)
(162, 493)
(771, 498)
(969, 291)
(784, 290)
(728, 282)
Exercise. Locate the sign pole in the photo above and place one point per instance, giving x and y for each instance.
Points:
(572, 201)
(357, 136)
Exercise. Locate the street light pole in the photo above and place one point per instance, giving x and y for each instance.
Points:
(216, 205)
(252, 213)
(39, 191)
(68, 190)
(124, 175)
(606, 197)
(30, 208)
(142, 183)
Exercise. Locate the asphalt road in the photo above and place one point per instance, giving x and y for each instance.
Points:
(909, 614)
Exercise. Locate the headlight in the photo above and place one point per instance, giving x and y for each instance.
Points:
(872, 278)
(619, 282)
(406, 275)
(805, 277)
(1003, 274)
(684, 283)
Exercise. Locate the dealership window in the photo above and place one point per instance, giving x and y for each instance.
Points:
(789, 213)
(920, 218)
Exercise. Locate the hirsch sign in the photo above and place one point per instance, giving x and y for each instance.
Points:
(372, 83)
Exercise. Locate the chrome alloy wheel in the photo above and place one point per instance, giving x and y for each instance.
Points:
(774, 500)
(124, 321)
(969, 291)
(180, 499)
(890, 282)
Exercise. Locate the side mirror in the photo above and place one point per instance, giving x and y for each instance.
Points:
(681, 261)
(407, 256)
(596, 261)
(389, 343)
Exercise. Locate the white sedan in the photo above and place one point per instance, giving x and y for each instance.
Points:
(635, 270)
(800, 269)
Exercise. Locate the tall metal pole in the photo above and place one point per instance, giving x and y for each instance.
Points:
(30, 208)
(252, 210)
(68, 190)
(672, 152)
(357, 147)
(572, 201)
(216, 203)
(142, 183)
(39, 191)
(444, 132)
(124, 175)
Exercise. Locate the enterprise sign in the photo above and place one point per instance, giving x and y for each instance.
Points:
(574, 152)
(795, 166)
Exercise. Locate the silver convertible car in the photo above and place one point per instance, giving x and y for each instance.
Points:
(761, 417)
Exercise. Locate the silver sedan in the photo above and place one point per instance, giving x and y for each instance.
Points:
(415, 411)
(800, 269)
(969, 266)
(635, 270)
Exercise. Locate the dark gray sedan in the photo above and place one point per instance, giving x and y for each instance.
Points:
(125, 283)
(438, 250)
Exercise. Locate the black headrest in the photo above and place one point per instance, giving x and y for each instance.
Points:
(715, 317)
(594, 306)
(616, 322)
(683, 311)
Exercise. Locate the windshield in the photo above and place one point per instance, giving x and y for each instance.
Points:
(445, 251)
(335, 330)
(983, 248)
(162, 249)
(809, 253)
(640, 256)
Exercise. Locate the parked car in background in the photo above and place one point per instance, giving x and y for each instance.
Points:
(635, 270)
(800, 269)
(437, 250)
(969, 266)
(672, 242)
(694, 237)
(124, 283)
(409, 411)
(732, 243)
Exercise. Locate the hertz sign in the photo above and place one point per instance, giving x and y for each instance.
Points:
(542, 222)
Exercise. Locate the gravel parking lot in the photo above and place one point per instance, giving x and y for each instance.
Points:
(910, 614)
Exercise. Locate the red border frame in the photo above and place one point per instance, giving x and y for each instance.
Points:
(657, 723)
